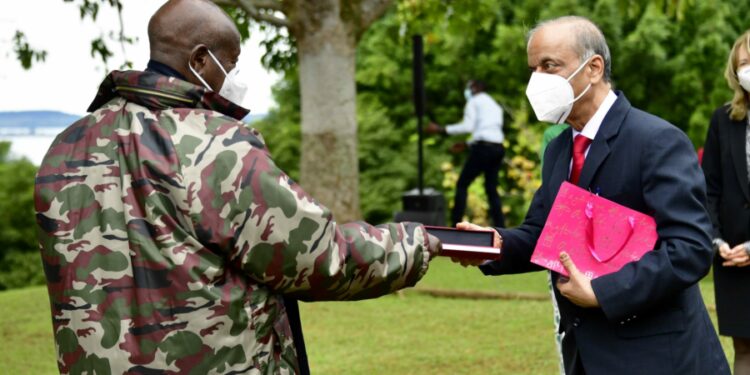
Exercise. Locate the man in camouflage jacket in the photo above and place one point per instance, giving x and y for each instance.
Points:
(169, 236)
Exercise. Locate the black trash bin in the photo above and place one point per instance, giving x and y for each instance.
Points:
(427, 208)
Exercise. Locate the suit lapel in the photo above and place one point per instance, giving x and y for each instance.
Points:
(600, 146)
(562, 163)
(597, 153)
(737, 147)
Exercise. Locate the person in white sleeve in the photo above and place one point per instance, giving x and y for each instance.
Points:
(483, 118)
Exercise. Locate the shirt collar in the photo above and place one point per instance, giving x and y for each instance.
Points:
(163, 69)
(158, 92)
(592, 127)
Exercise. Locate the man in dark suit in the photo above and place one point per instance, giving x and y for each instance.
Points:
(649, 317)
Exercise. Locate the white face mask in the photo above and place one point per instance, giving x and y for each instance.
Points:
(551, 96)
(744, 77)
(467, 94)
(232, 89)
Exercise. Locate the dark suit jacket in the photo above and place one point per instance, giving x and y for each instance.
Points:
(652, 319)
(725, 166)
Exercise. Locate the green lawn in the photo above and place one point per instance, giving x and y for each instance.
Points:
(26, 332)
(411, 333)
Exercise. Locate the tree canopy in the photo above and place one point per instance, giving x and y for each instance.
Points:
(20, 264)
(668, 59)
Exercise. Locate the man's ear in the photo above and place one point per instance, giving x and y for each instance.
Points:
(596, 69)
(199, 58)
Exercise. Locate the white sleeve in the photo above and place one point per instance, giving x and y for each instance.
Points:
(469, 122)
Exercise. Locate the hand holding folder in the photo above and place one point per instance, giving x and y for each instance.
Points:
(468, 242)
(600, 236)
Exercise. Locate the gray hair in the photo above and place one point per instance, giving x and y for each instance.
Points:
(589, 40)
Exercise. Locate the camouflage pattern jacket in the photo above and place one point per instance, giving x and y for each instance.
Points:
(168, 238)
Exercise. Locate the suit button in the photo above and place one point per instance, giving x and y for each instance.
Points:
(576, 322)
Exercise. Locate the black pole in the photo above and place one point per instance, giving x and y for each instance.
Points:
(419, 100)
(292, 311)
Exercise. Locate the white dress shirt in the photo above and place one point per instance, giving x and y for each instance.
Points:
(483, 118)
(592, 127)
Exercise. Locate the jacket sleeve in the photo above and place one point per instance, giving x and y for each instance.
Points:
(712, 171)
(279, 236)
(673, 187)
(469, 122)
(519, 242)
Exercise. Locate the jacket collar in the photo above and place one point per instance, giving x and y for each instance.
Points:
(163, 69)
(156, 91)
(599, 147)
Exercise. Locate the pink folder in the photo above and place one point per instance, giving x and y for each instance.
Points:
(599, 235)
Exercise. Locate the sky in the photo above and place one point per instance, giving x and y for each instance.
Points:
(67, 81)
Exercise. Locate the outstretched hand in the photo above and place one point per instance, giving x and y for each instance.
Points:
(577, 286)
(457, 148)
(497, 242)
(434, 246)
(433, 128)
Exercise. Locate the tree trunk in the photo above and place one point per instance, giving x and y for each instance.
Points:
(329, 168)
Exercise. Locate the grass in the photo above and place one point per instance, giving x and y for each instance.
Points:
(26, 332)
(410, 333)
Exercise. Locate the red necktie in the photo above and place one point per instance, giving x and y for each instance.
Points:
(580, 144)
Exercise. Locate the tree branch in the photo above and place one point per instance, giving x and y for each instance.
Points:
(274, 5)
(372, 10)
(273, 20)
(255, 8)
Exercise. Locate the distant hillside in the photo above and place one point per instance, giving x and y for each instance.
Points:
(36, 119)
(253, 117)
(55, 119)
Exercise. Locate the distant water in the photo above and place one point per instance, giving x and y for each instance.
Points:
(32, 132)
(32, 147)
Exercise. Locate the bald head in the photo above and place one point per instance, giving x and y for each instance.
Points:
(182, 32)
(180, 25)
(579, 34)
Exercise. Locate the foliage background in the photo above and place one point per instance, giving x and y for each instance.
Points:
(20, 263)
(668, 58)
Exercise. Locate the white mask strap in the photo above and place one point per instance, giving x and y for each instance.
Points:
(582, 93)
(199, 77)
(217, 62)
(577, 70)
